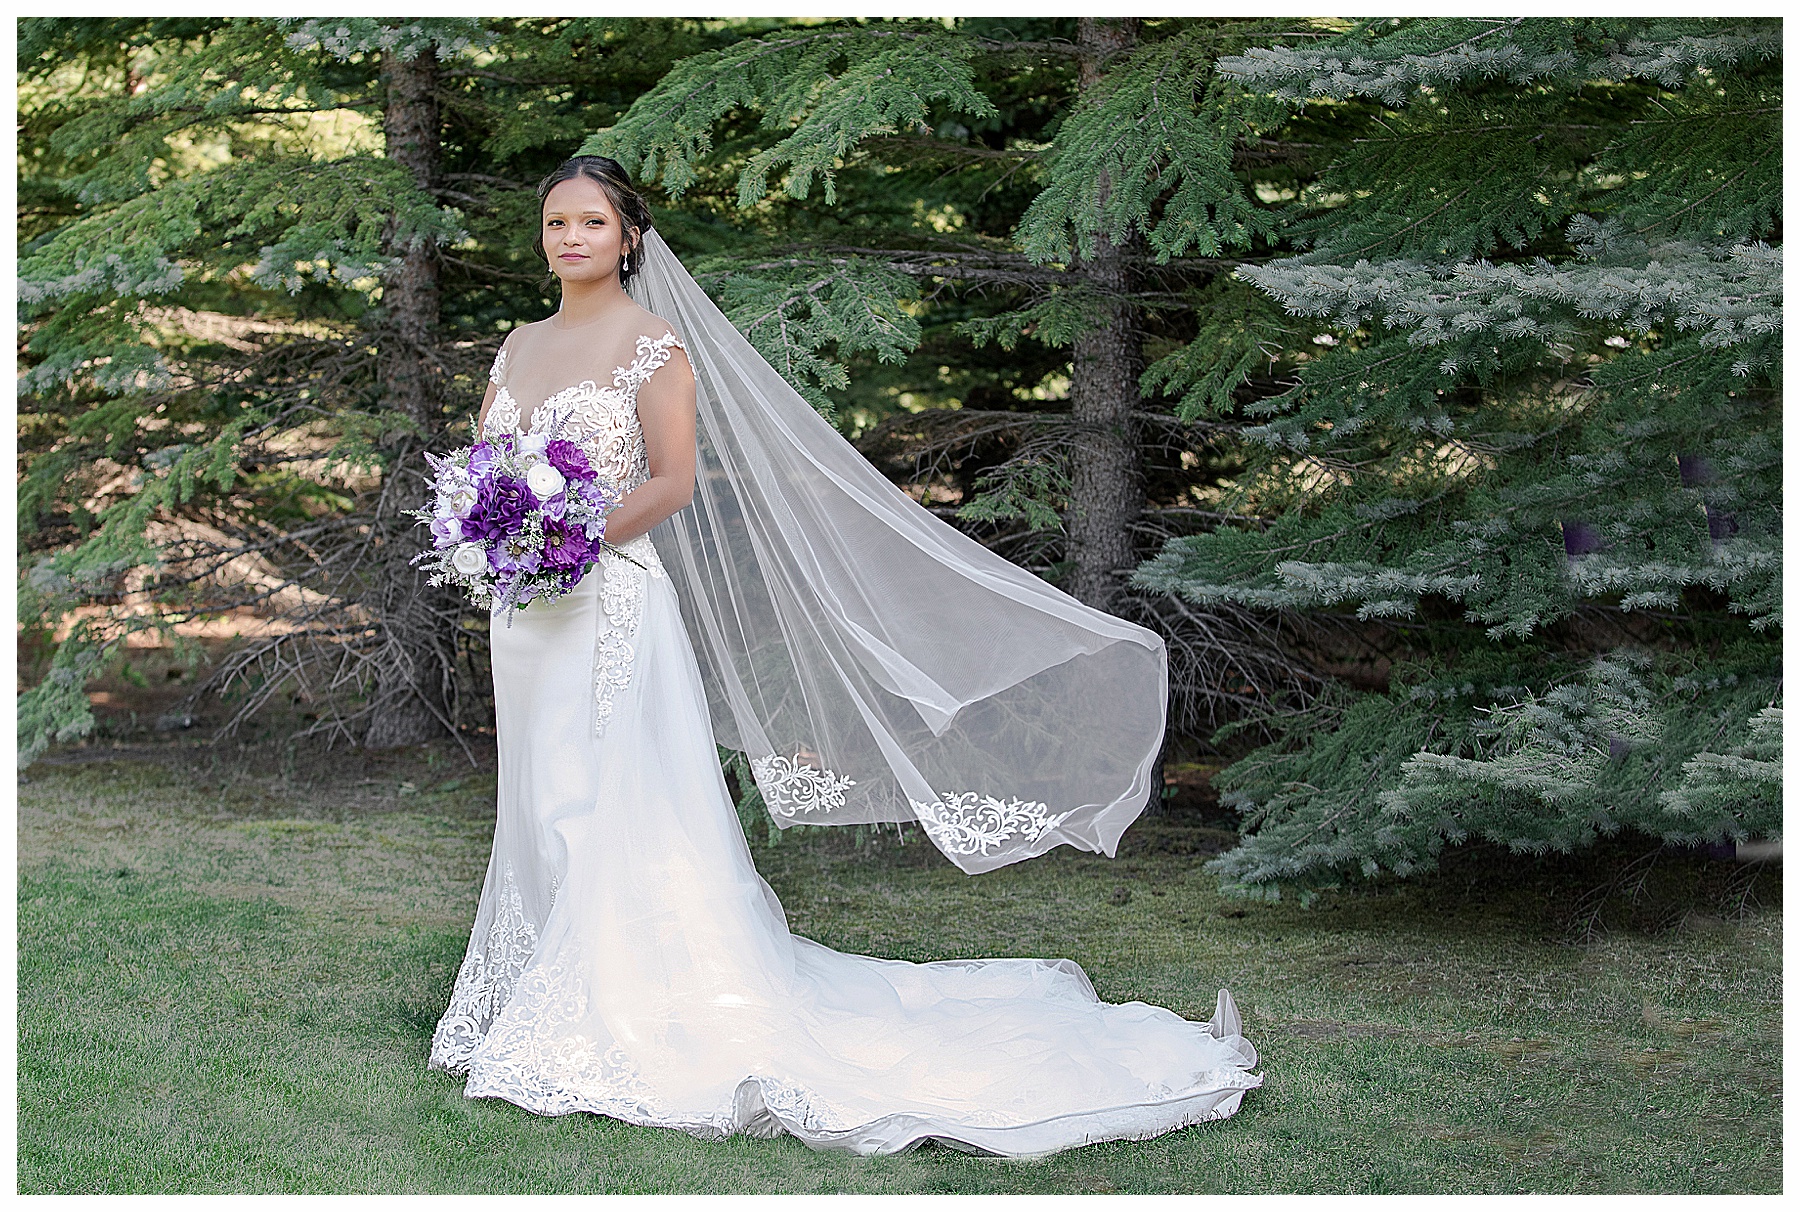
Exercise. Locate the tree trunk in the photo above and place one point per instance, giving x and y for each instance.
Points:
(1107, 494)
(412, 683)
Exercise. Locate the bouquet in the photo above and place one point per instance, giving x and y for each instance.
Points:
(516, 518)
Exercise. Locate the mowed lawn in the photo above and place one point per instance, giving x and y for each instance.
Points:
(228, 981)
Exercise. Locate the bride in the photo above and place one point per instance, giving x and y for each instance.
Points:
(875, 665)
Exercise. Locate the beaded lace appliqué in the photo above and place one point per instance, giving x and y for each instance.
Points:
(621, 609)
(604, 420)
(789, 787)
(503, 415)
(537, 1056)
(972, 823)
(966, 823)
(484, 983)
(531, 1056)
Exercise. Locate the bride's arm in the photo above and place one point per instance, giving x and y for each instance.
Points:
(496, 376)
(665, 406)
(487, 402)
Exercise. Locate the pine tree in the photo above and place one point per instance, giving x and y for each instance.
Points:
(1051, 195)
(1533, 443)
(264, 265)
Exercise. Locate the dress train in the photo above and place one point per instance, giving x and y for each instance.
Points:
(628, 960)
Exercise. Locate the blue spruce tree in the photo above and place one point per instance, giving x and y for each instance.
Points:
(1527, 448)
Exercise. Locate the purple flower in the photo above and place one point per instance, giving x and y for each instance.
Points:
(595, 494)
(513, 556)
(447, 532)
(569, 459)
(500, 509)
(482, 457)
(565, 546)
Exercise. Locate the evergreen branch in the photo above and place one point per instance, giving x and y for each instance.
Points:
(1730, 299)
(828, 89)
(1158, 133)
(965, 151)
(1421, 221)
(1396, 63)
(858, 305)
(1051, 46)
(346, 37)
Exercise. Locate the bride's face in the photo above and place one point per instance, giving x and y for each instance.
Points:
(583, 238)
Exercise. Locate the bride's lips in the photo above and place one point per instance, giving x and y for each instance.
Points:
(573, 257)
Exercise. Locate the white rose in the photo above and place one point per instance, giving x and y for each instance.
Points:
(544, 480)
(457, 502)
(469, 559)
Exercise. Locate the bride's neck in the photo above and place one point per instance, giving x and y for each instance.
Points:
(585, 301)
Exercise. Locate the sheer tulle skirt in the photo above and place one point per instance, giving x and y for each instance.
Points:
(628, 960)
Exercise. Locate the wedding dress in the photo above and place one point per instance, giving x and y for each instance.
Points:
(627, 959)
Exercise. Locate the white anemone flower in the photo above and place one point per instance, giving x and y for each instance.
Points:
(469, 559)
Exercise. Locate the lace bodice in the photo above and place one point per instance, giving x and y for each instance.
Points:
(603, 419)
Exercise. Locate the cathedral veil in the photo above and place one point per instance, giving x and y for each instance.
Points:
(873, 662)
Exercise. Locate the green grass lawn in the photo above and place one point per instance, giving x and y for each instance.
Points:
(228, 981)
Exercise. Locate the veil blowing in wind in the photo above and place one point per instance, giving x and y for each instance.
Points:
(873, 662)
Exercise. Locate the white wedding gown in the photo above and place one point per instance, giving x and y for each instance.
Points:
(628, 960)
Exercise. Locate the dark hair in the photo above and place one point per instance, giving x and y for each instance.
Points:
(610, 176)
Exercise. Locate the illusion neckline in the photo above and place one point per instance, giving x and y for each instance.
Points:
(550, 320)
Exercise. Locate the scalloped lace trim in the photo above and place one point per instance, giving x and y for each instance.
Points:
(485, 982)
(528, 1058)
(959, 823)
(532, 1058)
